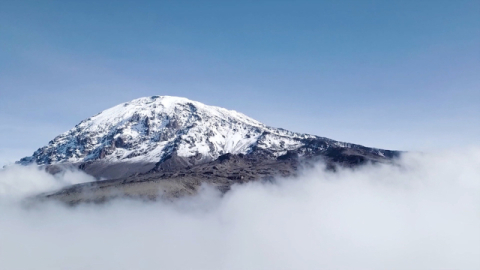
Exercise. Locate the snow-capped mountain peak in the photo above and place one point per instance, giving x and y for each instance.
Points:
(167, 133)
(150, 128)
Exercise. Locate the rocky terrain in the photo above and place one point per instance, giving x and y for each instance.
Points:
(167, 147)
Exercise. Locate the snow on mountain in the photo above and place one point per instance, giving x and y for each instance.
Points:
(150, 129)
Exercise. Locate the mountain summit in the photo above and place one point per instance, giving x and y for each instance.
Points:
(153, 128)
(167, 133)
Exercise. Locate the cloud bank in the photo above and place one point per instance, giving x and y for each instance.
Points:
(17, 182)
(422, 213)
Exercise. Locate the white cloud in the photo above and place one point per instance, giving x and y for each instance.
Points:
(422, 214)
(18, 182)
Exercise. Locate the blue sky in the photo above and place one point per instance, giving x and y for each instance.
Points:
(388, 74)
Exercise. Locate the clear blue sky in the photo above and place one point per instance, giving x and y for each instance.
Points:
(389, 74)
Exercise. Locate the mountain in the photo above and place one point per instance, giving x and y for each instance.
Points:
(164, 135)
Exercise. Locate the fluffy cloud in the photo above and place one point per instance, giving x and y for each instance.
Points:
(422, 213)
(17, 182)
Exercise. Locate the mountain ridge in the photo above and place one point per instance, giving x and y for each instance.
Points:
(163, 136)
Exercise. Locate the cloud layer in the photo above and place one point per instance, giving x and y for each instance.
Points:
(18, 182)
(423, 213)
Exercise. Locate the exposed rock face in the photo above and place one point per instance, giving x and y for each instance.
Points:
(221, 173)
(163, 133)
